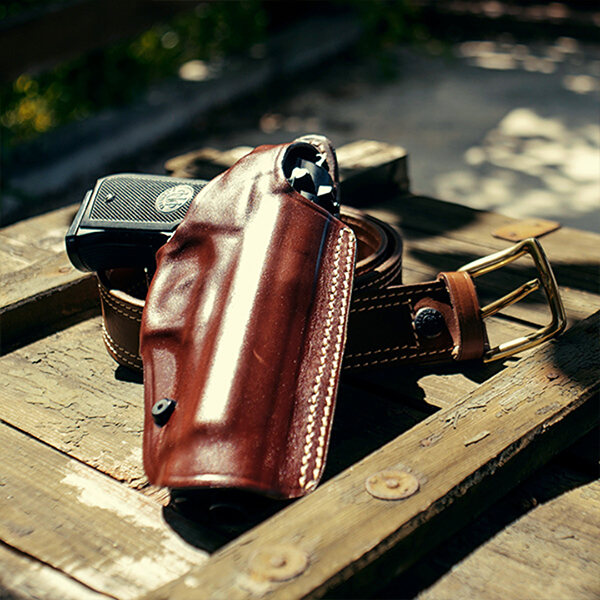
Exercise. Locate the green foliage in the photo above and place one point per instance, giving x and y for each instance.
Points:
(118, 74)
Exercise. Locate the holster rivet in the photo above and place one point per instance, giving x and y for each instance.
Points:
(162, 411)
(392, 485)
(429, 322)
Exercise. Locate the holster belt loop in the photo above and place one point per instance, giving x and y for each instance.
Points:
(470, 338)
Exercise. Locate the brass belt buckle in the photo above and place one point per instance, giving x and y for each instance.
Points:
(545, 279)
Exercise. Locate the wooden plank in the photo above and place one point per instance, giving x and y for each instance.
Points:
(205, 163)
(66, 391)
(428, 241)
(41, 291)
(70, 517)
(16, 255)
(24, 578)
(370, 169)
(44, 297)
(464, 457)
(45, 233)
(25, 243)
(566, 248)
(553, 548)
(441, 247)
(555, 480)
(367, 167)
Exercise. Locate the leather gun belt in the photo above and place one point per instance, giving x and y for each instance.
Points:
(389, 322)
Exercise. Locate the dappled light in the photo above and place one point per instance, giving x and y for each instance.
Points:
(559, 165)
(196, 70)
(119, 74)
(565, 52)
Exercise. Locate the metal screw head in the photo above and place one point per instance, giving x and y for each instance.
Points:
(392, 485)
(162, 411)
(429, 322)
(279, 562)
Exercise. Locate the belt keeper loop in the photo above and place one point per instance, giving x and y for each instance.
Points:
(470, 341)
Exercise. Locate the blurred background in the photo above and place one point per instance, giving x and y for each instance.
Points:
(496, 102)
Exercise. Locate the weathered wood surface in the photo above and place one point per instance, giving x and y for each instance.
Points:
(41, 291)
(469, 434)
(515, 536)
(365, 166)
(464, 457)
(547, 549)
(84, 524)
(23, 578)
(66, 391)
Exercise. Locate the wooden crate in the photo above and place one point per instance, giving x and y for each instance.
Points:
(79, 520)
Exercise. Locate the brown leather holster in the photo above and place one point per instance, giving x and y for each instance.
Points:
(259, 299)
(244, 329)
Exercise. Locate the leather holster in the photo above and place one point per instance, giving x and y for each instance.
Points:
(243, 334)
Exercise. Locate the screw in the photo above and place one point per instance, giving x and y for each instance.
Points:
(392, 485)
(429, 322)
(279, 562)
(162, 411)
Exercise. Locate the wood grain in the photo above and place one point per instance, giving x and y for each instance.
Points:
(468, 433)
(553, 482)
(367, 168)
(24, 578)
(66, 391)
(41, 291)
(527, 416)
(84, 524)
(554, 548)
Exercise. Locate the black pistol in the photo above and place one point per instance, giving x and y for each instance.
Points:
(126, 218)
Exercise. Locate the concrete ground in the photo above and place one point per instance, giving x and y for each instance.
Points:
(494, 125)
